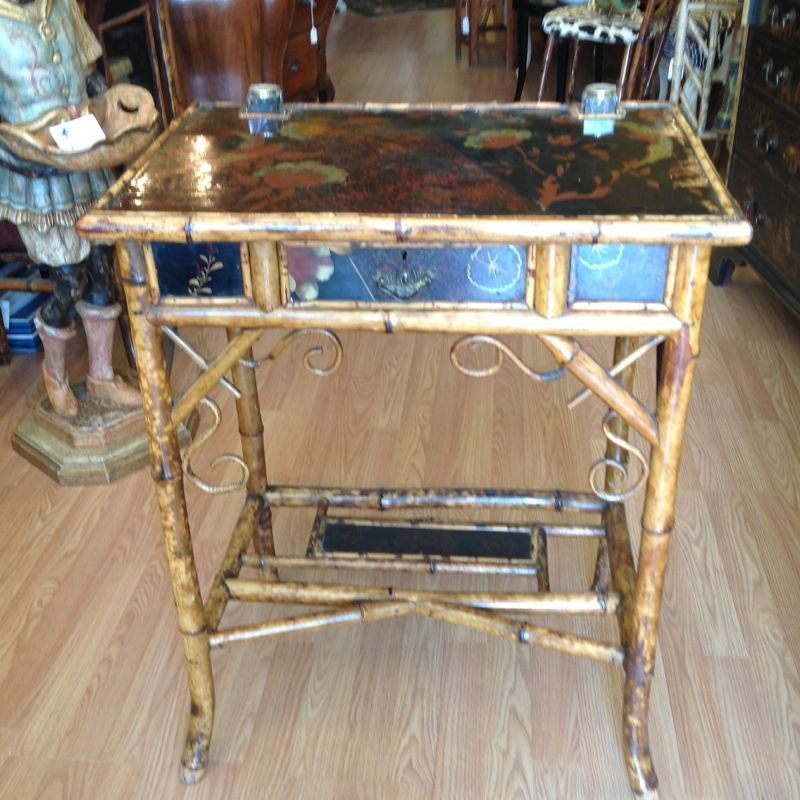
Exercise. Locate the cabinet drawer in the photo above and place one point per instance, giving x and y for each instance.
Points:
(768, 137)
(775, 216)
(782, 19)
(484, 274)
(774, 69)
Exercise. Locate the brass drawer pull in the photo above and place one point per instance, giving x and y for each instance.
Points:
(404, 281)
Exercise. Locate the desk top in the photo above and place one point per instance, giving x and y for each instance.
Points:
(400, 173)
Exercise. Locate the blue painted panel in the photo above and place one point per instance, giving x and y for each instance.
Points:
(618, 272)
(486, 274)
(205, 269)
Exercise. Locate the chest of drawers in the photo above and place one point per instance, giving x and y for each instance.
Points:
(765, 166)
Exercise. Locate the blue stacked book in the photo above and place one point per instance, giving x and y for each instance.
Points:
(18, 309)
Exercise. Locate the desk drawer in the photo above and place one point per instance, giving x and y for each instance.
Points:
(482, 274)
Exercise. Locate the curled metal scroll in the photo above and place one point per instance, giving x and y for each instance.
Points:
(597, 470)
(501, 351)
(198, 442)
(309, 355)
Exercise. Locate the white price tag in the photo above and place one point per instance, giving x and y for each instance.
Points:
(77, 134)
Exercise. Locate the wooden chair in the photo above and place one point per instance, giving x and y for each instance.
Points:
(641, 31)
(476, 18)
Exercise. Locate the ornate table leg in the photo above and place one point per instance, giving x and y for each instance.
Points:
(680, 356)
(168, 477)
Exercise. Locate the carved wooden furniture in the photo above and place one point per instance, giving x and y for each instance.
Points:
(617, 22)
(765, 165)
(478, 221)
(222, 48)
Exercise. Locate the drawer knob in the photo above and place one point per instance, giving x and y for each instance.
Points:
(774, 79)
(293, 66)
(766, 142)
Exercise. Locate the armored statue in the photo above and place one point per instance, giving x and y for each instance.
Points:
(46, 79)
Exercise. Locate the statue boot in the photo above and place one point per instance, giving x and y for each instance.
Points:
(54, 366)
(99, 323)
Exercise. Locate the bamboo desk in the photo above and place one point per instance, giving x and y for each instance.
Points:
(481, 222)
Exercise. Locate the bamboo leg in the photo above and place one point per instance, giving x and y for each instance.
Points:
(680, 356)
(166, 470)
(251, 430)
(623, 347)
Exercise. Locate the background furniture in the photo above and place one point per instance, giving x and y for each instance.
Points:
(765, 166)
(703, 38)
(526, 12)
(481, 18)
(636, 31)
(498, 244)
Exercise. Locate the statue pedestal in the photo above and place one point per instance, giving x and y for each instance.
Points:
(103, 443)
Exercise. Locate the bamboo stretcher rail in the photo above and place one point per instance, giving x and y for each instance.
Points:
(197, 358)
(594, 377)
(391, 563)
(369, 612)
(322, 594)
(26, 285)
(483, 621)
(618, 367)
(231, 353)
(522, 632)
(384, 499)
(510, 321)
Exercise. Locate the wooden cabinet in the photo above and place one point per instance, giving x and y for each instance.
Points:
(765, 166)
(305, 69)
(223, 47)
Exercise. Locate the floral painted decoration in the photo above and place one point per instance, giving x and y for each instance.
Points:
(206, 265)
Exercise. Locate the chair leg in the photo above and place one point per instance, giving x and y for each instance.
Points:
(623, 73)
(573, 63)
(523, 31)
(459, 14)
(474, 30)
(548, 57)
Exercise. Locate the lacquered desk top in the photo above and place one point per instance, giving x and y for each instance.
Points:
(422, 173)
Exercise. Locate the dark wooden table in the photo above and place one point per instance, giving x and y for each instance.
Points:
(480, 222)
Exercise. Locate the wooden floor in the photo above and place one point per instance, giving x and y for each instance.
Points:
(92, 694)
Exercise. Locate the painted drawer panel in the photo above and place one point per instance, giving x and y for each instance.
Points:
(483, 274)
(618, 273)
(199, 270)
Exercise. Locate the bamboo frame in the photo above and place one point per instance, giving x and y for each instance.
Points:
(632, 594)
(326, 594)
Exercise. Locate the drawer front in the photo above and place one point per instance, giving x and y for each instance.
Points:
(205, 270)
(485, 274)
(618, 273)
(775, 216)
(783, 20)
(770, 138)
(774, 70)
